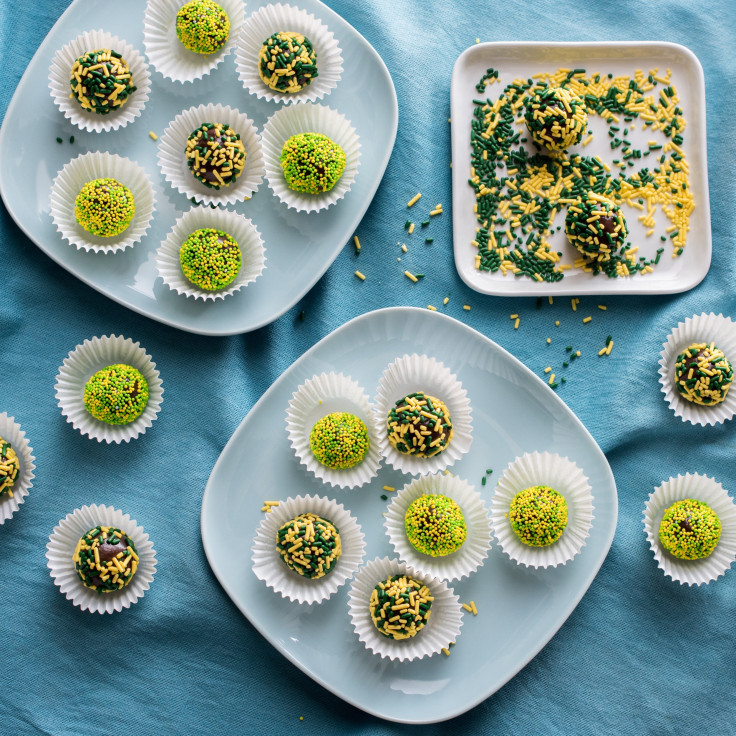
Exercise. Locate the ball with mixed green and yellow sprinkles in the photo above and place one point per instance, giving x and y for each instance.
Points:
(312, 163)
(104, 207)
(690, 529)
(556, 118)
(400, 606)
(435, 525)
(215, 155)
(703, 374)
(309, 545)
(9, 468)
(596, 227)
(117, 394)
(202, 26)
(339, 440)
(105, 559)
(287, 62)
(419, 425)
(538, 515)
(101, 81)
(210, 259)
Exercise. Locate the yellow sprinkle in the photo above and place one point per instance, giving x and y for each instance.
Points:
(550, 300)
(513, 316)
(586, 320)
(416, 197)
(467, 607)
(466, 307)
(271, 503)
(265, 508)
(431, 308)
(404, 248)
(301, 718)
(548, 369)
(360, 275)
(446, 299)
(446, 651)
(603, 307)
(477, 40)
(587, 140)
(517, 323)
(411, 276)
(602, 351)
(557, 323)
(577, 352)
(389, 488)
(475, 610)
(357, 243)
(551, 379)
(549, 340)
(435, 212)
(411, 228)
(609, 348)
(152, 135)
(574, 305)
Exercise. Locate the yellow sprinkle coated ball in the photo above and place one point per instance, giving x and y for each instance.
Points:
(596, 227)
(210, 259)
(117, 394)
(703, 374)
(538, 515)
(339, 440)
(690, 529)
(309, 545)
(202, 26)
(400, 607)
(104, 207)
(435, 525)
(556, 118)
(9, 468)
(287, 62)
(105, 559)
(101, 81)
(312, 163)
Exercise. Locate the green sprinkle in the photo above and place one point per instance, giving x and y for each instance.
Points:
(58, 140)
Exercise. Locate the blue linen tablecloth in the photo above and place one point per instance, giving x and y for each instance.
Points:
(640, 654)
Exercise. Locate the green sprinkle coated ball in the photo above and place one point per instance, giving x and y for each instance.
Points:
(309, 545)
(690, 529)
(104, 207)
(312, 163)
(105, 559)
(101, 81)
(703, 374)
(287, 62)
(117, 394)
(414, 599)
(596, 227)
(9, 468)
(538, 515)
(339, 440)
(556, 118)
(202, 26)
(210, 259)
(435, 525)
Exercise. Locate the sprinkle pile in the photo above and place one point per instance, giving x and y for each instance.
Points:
(556, 118)
(703, 374)
(435, 525)
(202, 26)
(210, 258)
(596, 227)
(287, 62)
(101, 81)
(538, 515)
(312, 163)
(215, 154)
(400, 607)
(309, 545)
(9, 468)
(339, 440)
(690, 529)
(104, 207)
(105, 559)
(117, 394)
(419, 425)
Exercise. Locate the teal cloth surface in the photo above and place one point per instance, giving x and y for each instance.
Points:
(640, 654)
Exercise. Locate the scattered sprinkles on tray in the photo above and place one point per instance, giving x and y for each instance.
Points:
(309, 545)
(105, 559)
(101, 81)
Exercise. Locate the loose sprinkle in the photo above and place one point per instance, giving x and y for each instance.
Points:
(474, 609)
(431, 308)
(414, 200)
(152, 135)
(517, 323)
(603, 307)
(411, 228)
(389, 488)
(446, 299)
(360, 275)
(357, 243)
(586, 320)
(410, 276)
(549, 340)
(466, 307)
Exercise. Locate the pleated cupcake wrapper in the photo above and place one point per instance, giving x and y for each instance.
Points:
(100, 165)
(442, 629)
(699, 328)
(168, 56)
(700, 488)
(60, 552)
(82, 363)
(173, 164)
(239, 227)
(11, 432)
(464, 561)
(60, 80)
(318, 397)
(309, 118)
(270, 567)
(280, 17)
(407, 375)
(560, 474)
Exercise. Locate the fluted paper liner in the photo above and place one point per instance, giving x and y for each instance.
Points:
(318, 397)
(442, 629)
(253, 254)
(271, 19)
(700, 488)
(464, 561)
(82, 363)
(60, 551)
(699, 328)
(99, 165)
(269, 567)
(11, 432)
(309, 118)
(173, 163)
(412, 373)
(168, 56)
(60, 80)
(561, 474)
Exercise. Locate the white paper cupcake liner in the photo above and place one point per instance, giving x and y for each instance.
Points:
(309, 118)
(239, 227)
(11, 432)
(699, 328)
(474, 550)
(561, 474)
(168, 56)
(99, 165)
(442, 629)
(407, 375)
(318, 397)
(173, 163)
(82, 363)
(271, 19)
(60, 551)
(700, 488)
(269, 567)
(60, 78)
